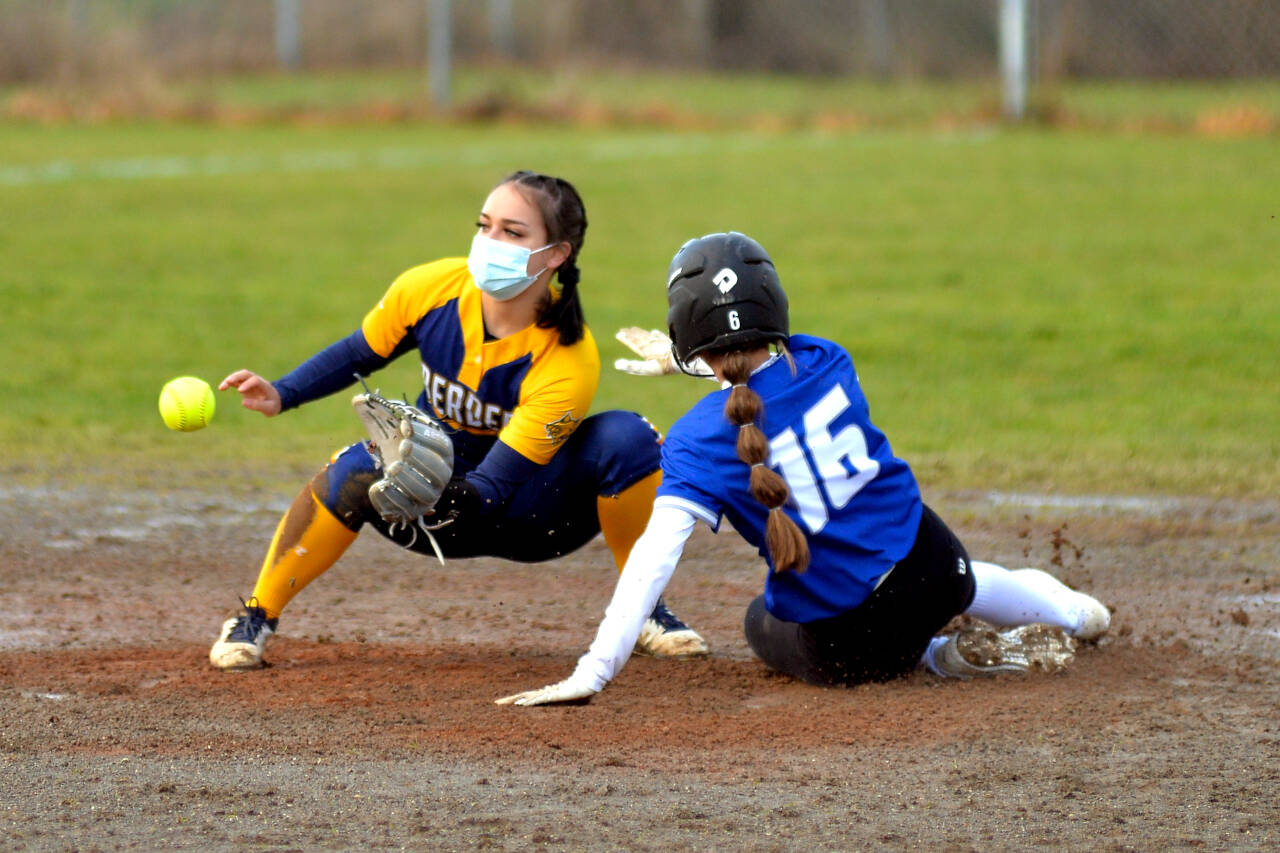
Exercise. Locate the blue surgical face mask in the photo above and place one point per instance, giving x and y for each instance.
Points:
(500, 268)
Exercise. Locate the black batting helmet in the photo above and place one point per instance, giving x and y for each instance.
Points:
(722, 291)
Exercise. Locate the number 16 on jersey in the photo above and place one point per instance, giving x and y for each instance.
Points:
(840, 465)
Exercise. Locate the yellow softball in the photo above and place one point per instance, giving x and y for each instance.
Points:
(186, 404)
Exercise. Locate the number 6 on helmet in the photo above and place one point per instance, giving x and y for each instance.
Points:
(723, 293)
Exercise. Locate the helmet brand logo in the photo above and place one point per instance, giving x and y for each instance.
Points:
(725, 280)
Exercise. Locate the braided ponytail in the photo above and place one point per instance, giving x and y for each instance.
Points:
(784, 539)
(565, 218)
(565, 314)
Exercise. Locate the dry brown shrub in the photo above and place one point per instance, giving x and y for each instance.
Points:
(769, 123)
(30, 105)
(588, 113)
(1239, 120)
(838, 122)
(664, 115)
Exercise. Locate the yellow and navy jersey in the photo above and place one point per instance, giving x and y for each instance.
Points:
(527, 389)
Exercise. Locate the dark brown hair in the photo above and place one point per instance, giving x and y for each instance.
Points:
(782, 536)
(565, 219)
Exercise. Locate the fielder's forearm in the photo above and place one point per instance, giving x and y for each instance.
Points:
(330, 370)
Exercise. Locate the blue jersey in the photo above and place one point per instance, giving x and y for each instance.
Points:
(858, 504)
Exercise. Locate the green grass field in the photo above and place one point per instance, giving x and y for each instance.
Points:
(1031, 310)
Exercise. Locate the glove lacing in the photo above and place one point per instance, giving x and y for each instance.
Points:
(420, 524)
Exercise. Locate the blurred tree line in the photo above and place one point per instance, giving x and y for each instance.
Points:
(75, 40)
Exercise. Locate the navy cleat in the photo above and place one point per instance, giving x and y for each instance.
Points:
(665, 636)
(242, 640)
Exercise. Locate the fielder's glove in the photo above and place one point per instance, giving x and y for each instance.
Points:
(416, 456)
(657, 357)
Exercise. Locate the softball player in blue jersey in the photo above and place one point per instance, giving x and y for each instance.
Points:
(862, 574)
(509, 367)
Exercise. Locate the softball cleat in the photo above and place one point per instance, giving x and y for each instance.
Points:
(664, 635)
(979, 652)
(243, 639)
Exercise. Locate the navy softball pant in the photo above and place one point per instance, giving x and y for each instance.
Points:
(549, 515)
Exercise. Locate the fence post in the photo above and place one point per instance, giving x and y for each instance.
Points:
(439, 47)
(879, 37)
(288, 29)
(1013, 57)
(502, 30)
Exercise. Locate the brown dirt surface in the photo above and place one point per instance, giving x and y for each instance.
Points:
(374, 727)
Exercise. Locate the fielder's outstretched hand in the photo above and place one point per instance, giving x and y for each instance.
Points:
(255, 392)
(565, 691)
(656, 357)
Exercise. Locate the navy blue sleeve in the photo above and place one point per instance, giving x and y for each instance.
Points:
(499, 473)
(331, 369)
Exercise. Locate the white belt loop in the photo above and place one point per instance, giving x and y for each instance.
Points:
(883, 576)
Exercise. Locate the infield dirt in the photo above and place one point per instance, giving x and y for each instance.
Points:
(374, 726)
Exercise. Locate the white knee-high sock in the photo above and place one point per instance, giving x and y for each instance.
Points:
(1021, 597)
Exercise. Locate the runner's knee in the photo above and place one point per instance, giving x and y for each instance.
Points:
(753, 626)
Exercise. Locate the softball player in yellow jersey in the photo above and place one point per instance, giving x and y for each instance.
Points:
(510, 368)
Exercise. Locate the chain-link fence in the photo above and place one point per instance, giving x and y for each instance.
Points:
(44, 40)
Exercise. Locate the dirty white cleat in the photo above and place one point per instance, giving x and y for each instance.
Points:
(242, 640)
(664, 635)
(1095, 618)
(985, 651)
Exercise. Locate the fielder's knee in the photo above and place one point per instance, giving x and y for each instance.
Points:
(624, 445)
(343, 486)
